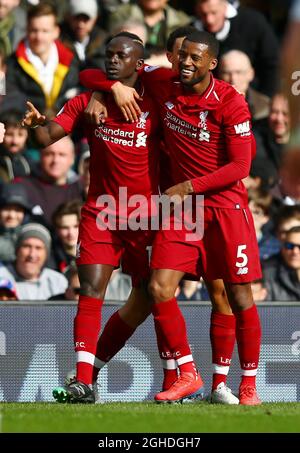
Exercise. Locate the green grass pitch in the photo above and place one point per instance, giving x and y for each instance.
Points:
(148, 417)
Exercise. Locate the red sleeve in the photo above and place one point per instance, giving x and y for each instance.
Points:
(95, 79)
(239, 146)
(68, 116)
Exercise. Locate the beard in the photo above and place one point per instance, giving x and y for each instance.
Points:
(192, 82)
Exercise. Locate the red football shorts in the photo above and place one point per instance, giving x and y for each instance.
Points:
(112, 247)
(228, 249)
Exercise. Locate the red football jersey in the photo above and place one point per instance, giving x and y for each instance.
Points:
(208, 136)
(122, 154)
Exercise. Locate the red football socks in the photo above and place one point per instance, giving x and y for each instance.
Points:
(170, 327)
(222, 338)
(114, 336)
(87, 324)
(248, 335)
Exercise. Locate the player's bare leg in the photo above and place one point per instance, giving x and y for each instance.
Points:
(121, 325)
(170, 324)
(93, 279)
(248, 335)
(222, 338)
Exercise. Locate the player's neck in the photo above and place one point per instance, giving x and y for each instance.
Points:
(200, 87)
(131, 81)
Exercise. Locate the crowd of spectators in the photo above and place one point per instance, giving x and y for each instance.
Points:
(43, 47)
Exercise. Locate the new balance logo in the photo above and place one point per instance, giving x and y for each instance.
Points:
(242, 128)
(242, 271)
(80, 390)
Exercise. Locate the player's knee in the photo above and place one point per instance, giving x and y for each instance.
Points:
(90, 290)
(240, 297)
(160, 292)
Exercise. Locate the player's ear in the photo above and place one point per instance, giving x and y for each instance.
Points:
(139, 64)
(213, 64)
(169, 57)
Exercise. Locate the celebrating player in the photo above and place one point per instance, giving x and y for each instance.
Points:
(123, 156)
(207, 131)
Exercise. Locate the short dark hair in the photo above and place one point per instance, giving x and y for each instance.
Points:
(295, 229)
(42, 9)
(68, 208)
(286, 213)
(127, 34)
(133, 37)
(12, 118)
(203, 37)
(180, 32)
(262, 198)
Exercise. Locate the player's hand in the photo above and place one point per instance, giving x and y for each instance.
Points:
(33, 117)
(126, 97)
(180, 191)
(2, 132)
(96, 111)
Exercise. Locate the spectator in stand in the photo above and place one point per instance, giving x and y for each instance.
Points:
(66, 220)
(32, 280)
(42, 68)
(290, 65)
(13, 163)
(159, 18)
(84, 171)
(259, 290)
(12, 25)
(190, 290)
(288, 217)
(119, 286)
(282, 271)
(273, 135)
(7, 290)
(235, 68)
(261, 176)
(244, 29)
(15, 211)
(287, 191)
(2, 132)
(73, 290)
(260, 204)
(52, 184)
(81, 34)
(60, 6)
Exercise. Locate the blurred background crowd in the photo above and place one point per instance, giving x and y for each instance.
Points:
(43, 47)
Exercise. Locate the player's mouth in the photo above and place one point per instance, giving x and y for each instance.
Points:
(184, 72)
(112, 70)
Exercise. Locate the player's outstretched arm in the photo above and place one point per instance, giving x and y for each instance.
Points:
(47, 132)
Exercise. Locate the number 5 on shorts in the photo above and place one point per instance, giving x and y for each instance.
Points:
(241, 255)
